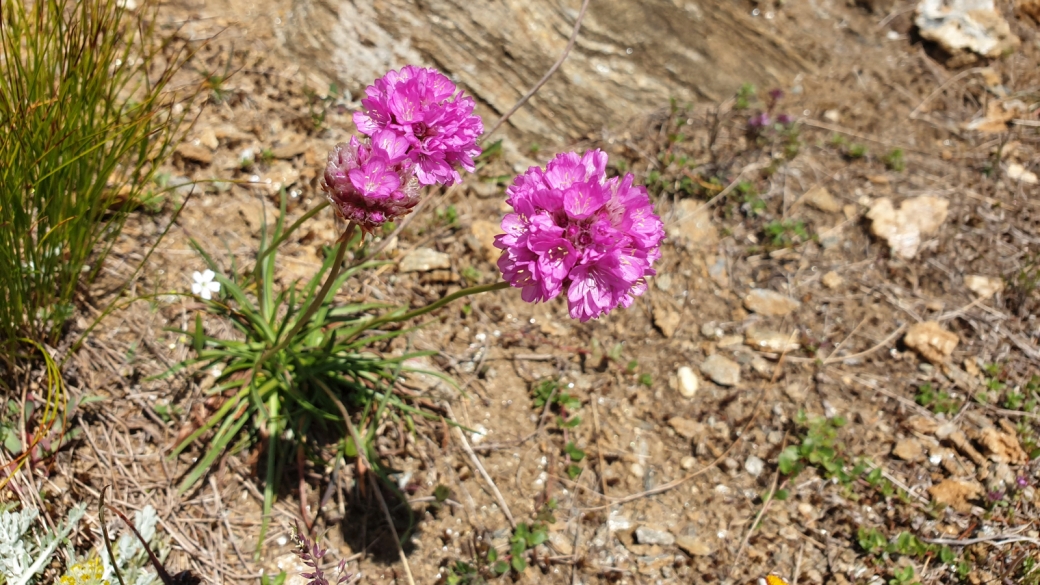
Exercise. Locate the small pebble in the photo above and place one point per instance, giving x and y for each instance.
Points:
(754, 466)
(688, 382)
(637, 470)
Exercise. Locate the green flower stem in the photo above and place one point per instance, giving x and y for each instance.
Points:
(316, 302)
(288, 232)
(473, 290)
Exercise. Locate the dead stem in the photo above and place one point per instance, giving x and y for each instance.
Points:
(480, 468)
(372, 481)
(678, 482)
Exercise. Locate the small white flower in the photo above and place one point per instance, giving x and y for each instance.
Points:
(478, 434)
(204, 286)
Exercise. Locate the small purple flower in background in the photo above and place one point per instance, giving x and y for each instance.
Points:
(371, 182)
(1022, 481)
(995, 496)
(421, 106)
(763, 121)
(575, 230)
(309, 553)
(759, 120)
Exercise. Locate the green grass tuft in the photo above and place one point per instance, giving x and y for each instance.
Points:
(86, 119)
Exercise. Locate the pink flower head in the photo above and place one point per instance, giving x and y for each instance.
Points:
(422, 106)
(574, 229)
(371, 182)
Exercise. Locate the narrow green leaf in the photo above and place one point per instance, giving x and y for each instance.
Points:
(200, 335)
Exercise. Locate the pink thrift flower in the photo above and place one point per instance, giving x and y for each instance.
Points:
(422, 106)
(371, 182)
(575, 230)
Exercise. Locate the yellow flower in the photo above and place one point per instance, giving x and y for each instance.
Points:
(85, 573)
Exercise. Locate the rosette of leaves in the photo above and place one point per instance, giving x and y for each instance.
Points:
(281, 379)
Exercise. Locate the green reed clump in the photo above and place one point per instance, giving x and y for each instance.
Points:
(86, 116)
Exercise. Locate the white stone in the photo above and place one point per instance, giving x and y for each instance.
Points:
(425, 260)
(771, 341)
(832, 280)
(688, 382)
(722, 370)
(1019, 173)
(984, 286)
(972, 25)
(769, 303)
(754, 466)
(903, 229)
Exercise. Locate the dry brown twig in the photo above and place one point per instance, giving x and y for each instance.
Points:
(599, 446)
(678, 482)
(518, 442)
(798, 565)
(832, 359)
(762, 512)
(480, 468)
(945, 84)
(372, 481)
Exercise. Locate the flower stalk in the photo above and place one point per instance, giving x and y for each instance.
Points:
(316, 302)
(473, 290)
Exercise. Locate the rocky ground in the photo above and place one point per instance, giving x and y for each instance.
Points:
(834, 377)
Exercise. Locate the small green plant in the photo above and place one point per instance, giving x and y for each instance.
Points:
(904, 576)
(745, 95)
(471, 274)
(753, 204)
(299, 361)
(881, 550)
(564, 405)
(819, 447)
(449, 215)
(1029, 574)
(492, 152)
(871, 540)
(894, 160)
(525, 537)
(278, 579)
(463, 573)
(214, 81)
(87, 120)
(857, 151)
(1023, 286)
(786, 233)
(937, 401)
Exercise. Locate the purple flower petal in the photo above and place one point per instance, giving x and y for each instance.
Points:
(575, 230)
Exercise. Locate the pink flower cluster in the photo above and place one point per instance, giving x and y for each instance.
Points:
(575, 229)
(419, 129)
(422, 107)
(367, 181)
